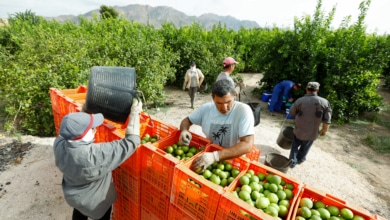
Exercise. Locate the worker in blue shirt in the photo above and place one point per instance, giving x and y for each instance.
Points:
(282, 89)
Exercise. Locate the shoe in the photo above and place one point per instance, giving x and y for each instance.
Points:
(300, 161)
(293, 165)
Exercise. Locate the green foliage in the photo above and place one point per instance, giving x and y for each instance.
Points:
(108, 12)
(36, 54)
(380, 144)
(346, 62)
(61, 56)
(206, 48)
(28, 17)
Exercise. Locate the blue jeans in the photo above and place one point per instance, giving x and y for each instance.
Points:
(299, 150)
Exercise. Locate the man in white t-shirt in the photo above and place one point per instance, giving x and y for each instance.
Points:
(225, 122)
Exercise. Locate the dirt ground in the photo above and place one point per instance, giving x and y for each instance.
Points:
(338, 164)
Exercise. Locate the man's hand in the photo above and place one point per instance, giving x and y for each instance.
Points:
(324, 129)
(290, 100)
(136, 107)
(206, 159)
(133, 127)
(185, 138)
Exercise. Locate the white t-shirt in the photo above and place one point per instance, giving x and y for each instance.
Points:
(224, 130)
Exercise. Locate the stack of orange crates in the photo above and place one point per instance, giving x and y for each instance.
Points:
(196, 196)
(157, 170)
(167, 184)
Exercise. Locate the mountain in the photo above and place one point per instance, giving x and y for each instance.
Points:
(155, 16)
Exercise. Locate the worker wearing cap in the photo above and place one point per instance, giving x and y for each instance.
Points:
(192, 81)
(228, 67)
(310, 111)
(86, 166)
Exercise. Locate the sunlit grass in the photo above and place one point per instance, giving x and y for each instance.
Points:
(380, 144)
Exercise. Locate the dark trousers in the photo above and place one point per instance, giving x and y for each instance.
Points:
(77, 215)
(192, 93)
(299, 150)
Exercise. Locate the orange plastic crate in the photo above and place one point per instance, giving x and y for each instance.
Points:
(254, 154)
(176, 213)
(157, 166)
(149, 125)
(61, 106)
(125, 209)
(154, 201)
(127, 178)
(231, 207)
(200, 200)
(159, 128)
(318, 195)
(148, 215)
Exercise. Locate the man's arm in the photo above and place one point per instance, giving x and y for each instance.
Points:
(185, 80)
(201, 77)
(237, 150)
(185, 124)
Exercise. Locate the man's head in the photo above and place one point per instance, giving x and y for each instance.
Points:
(192, 64)
(313, 86)
(223, 94)
(297, 86)
(229, 63)
(75, 126)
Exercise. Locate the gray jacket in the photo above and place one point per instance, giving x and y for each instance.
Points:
(87, 182)
(309, 111)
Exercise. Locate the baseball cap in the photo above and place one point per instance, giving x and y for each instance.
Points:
(193, 63)
(313, 85)
(75, 126)
(229, 61)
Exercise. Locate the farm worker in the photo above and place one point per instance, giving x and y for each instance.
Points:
(309, 111)
(87, 167)
(224, 121)
(282, 89)
(228, 67)
(192, 81)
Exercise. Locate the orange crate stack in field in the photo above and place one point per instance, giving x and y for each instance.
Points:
(195, 195)
(63, 105)
(127, 179)
(329, 200)
(154, 202)
(157, 166)
(177, 214)
(234, 208)
(125, 209)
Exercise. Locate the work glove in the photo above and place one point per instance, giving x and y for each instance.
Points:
(185, 138)
(133, 127)
(201, 163)
(324, 129)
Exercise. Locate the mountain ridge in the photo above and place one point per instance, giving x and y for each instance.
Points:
(156, 16)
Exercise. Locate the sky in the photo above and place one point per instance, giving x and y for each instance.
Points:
(266, 13)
